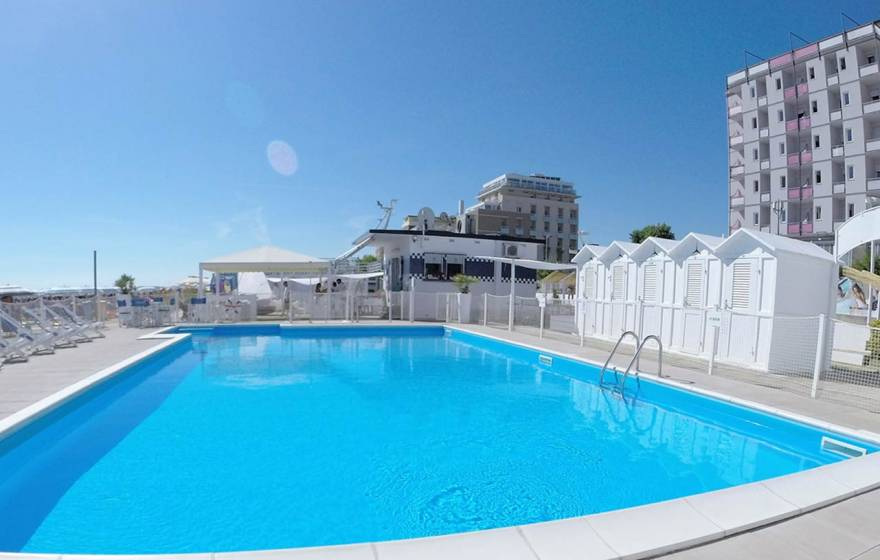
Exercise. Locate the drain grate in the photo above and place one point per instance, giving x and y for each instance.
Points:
(841, 448)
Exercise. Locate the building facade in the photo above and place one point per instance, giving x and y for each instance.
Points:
(804, 137)
(532, 206)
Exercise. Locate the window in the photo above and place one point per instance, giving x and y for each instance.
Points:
(546, 210)
(559, 213)
(818, 212)
(752, 91)
(850, 172)
(780, 115)
(782, 148)
(546, 226)
(815, 140)
(454, 265)
(740, 293)
(842, 64)
(533, 224)
(573, 244)
(519, 209)
(818, 176)
(558, 228)
(573, 229)
(755, 185)
(649, 287)
(812, 72)
(433, 266)
(783, 214)
(846, 98)
(572, 214)
(778, 83)
(533, 210)
(754, 122)
(782, 181)
(850, 210)
(694, 288)
(618, 285)
(754, 218)
(871, 59)
(814, 105)
(849, 135)
(755, 154)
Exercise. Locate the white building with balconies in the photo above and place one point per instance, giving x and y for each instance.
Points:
(804, 137)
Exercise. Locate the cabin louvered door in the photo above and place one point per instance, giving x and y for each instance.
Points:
(649, 283)
(695, 284)
(740, 296)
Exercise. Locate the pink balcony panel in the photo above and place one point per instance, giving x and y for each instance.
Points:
(804, 122)
(794, 194)
(806, 228)
(780, 60)
(804, 52)
(793, 159)
(791, 125)
(802, 89)
(790, 92)
(806, 157)
(794, 229)
(807, 192)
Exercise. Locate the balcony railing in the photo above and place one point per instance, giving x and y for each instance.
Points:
(800, 229)
(781, 60)
(804, 52)
(797, 193)
(800, 123)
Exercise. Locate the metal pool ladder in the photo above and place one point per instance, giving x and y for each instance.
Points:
(635, 359)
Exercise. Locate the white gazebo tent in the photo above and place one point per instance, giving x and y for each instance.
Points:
(524, 263)
(267, 259)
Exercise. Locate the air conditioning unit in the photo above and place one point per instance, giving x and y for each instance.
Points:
(510, 250)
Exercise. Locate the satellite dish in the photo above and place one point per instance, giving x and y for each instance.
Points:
(426, 219)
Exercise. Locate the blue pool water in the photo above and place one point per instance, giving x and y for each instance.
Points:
(269, 438)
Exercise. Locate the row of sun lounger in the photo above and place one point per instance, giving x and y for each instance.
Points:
(40, 325)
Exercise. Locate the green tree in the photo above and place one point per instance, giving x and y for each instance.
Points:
(125, 283)
(661, 230)
(368, 259)
(463, 282)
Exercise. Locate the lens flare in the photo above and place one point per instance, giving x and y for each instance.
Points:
(282, 158)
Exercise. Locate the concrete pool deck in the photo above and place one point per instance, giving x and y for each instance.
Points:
(815, 511)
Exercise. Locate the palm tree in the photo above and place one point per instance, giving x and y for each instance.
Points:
(125, 283)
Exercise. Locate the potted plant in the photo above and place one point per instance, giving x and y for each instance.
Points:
(463, 283)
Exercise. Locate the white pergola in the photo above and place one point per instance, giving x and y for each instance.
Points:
(264, 259)
(525, 263)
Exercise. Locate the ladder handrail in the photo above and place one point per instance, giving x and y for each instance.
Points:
(613, 350)
(636, 357)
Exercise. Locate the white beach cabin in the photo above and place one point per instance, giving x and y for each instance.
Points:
(699, 274)
(656, 287)
(774, 287)
(590, 286)
(621, 276)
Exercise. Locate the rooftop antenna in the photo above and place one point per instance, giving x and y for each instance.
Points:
(386, 216)
(844, 17)
(746, 54)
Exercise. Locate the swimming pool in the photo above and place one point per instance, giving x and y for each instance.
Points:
(268, 437)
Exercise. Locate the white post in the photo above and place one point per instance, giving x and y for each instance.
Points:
(820, 354)
(541, 322)
(485, 308)
(201, 282)
(714, 349)
(870, 288)
(412, 299)
(389, 299)
(512, 295)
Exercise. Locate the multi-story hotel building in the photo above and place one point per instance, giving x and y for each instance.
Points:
(534, 206)
(804, 137)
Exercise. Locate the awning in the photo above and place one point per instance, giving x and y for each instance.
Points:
(536, 265)
(266, 259)
(862, 276)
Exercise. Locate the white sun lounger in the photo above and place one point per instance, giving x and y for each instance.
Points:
(37, 342)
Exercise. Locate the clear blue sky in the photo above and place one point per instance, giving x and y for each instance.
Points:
(140, 129)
